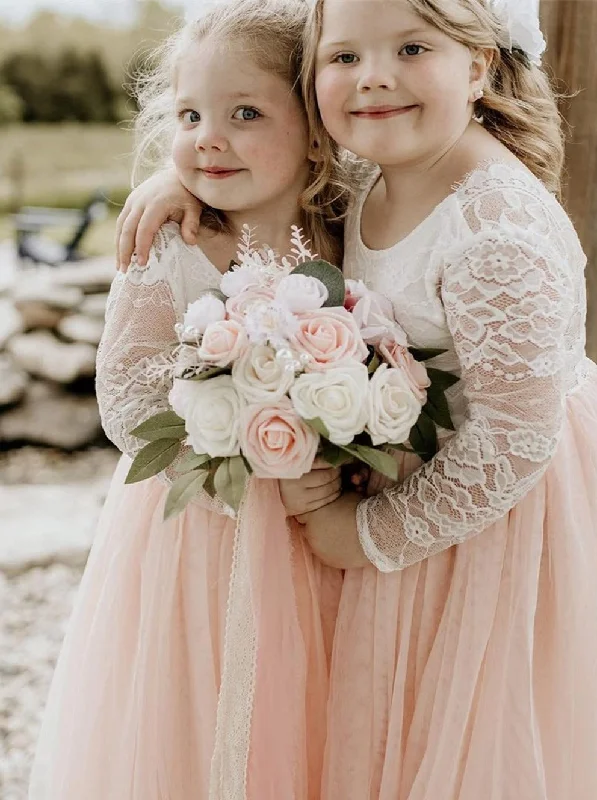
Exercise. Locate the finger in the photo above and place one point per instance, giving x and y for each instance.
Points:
(321, 477)
(119, 224)
(127, 238)
(149, 224)
(331, 497)
(189, 227)
(319, 463)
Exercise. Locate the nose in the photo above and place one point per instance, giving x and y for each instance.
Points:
(209, 138)
(377, 75)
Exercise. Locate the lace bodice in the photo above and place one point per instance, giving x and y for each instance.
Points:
(143, 307)
(495, 275)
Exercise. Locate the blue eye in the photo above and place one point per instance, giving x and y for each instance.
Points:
(413, 50)
(247, 114)
(345, 58)
(190, 117)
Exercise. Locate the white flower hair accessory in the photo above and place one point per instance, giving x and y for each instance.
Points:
(520, 19)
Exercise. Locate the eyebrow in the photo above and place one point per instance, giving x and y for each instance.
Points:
(413, 32)
(187, 101)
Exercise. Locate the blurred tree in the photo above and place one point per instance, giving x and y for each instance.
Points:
(11, 106)
(571, 30)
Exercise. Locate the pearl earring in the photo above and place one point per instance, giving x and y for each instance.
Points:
(478, 94)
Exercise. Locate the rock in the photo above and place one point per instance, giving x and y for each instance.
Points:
(94, 305)
(51, 416)
(40, 286)
(91, 276)
(11, 322)
(81, 328)
(13, 381)
(36, 314)
(39, 353)
(43, 525)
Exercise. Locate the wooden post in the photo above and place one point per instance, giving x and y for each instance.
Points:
(570, 27)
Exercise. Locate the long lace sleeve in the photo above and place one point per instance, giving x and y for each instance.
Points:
(508, 299)
(138, 337)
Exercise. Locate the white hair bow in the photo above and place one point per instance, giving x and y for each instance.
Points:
(520, 19)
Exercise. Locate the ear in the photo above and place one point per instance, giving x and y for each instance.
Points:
(481, 61)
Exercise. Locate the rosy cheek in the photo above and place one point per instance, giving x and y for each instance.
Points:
(330, 90)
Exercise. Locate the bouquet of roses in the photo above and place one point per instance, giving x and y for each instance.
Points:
(287, 361)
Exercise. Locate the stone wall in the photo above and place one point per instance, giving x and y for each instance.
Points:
(51, 321)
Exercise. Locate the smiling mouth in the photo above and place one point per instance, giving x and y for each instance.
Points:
(381, 112)
(218, 173)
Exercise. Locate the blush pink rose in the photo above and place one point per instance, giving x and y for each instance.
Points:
(398, 356)
(223, 342)
(329, 336)
(276, 442)
(238, 305)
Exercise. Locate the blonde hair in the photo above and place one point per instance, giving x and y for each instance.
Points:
(272, 31)
(519, 106)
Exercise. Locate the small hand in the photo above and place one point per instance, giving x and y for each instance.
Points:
(315, 489)
(332, 533)
(159, 199)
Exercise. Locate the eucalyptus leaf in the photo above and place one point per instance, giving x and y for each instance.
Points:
(210, 372)
(425, 354)
(230, 480)
(331, 277)
(319, 425)
(438, 410)
(423, 437)
(192, 461)
(214, 292)
(208, 486)
(182, 492)
(153, 459)
(335, 456)
(379, 460)
(166, 425)
(441, 379)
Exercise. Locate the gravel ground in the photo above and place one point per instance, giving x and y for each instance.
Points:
(34, 609)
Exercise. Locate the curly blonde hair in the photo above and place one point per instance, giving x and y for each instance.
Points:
(519, 106)
(272, 33)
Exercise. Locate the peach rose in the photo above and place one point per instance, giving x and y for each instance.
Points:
(415, 373)
(238, 305)
(276, 442)
(223, 342)
(329, 336)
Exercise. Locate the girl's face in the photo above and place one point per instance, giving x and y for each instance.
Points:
(242, 140)
(391, 87)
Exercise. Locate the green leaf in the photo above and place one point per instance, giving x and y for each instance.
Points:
(166, 425)
(211, 372)
(209, 483)
(379, 460)
(331, 277)
(319, 425)
(247, 465)
(335, 456)
(230, 480)
(440, 379)
(182, 492)
(192, 461)
(153, 459)
(438, 410)
(215, 292)
(373, 364)
(423, 437)
(425, 354)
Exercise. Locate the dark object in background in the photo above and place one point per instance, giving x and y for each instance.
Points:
(32, 246)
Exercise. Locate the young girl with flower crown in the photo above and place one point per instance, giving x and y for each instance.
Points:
(196, 663)
(464, 662)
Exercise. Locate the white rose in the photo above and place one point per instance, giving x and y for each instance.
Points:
(203, 312)
(212, 414)
(521, 21)
(301, 293)
(393, 407)
(338, 397)
(237, 279)
(260, 377)
(181, 396)
(374, 316)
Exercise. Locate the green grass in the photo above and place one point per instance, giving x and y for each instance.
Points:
(61, 165)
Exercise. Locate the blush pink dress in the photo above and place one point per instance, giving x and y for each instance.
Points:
(463, 660)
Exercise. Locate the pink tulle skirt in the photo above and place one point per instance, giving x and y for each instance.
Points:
(470, 676)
